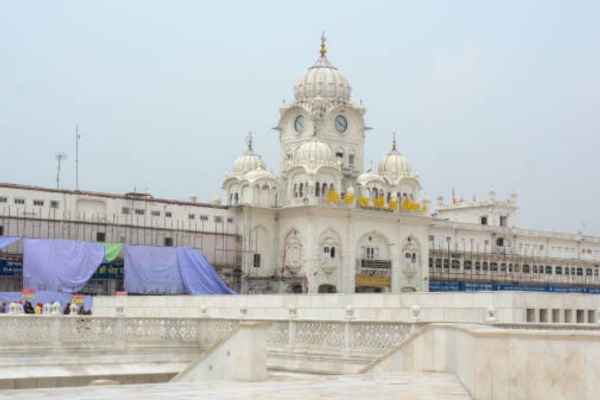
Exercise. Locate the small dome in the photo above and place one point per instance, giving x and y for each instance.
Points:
(249, 161)
(394, 165)
(257, 174)
(314, 153)
(369, 176)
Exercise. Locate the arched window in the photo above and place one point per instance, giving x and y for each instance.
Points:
(588, 272)
(295, 190)
(301, 190)
(331, 187)
(375, 193)
(485, 266)
(412, 198)
(558, 270)
(566, 270)
(526, 269)
(579, 271)
(317, 189)
(477, 266)
(324, 190)
(467, 265)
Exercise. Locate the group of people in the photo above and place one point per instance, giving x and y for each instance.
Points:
(28, 308)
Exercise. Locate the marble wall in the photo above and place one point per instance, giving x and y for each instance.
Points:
(495, 363)
(508, 307)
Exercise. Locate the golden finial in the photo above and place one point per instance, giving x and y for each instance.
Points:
(323, 50)
(249, 141)
(394, 141)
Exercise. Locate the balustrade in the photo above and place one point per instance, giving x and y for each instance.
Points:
(298, 335)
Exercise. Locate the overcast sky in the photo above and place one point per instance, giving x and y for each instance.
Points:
(481, 94)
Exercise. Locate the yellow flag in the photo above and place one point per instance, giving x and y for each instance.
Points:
(333, 197)
(393, 205)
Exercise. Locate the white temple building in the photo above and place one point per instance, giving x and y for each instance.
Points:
(325, 224)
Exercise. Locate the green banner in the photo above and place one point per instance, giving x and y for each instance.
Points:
(112, 250)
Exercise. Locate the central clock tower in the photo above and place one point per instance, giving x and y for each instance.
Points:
(322, 104)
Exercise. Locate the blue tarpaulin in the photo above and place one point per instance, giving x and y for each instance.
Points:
(59, 265)
(199, 277)
(152, 270)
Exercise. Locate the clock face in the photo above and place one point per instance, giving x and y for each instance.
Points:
(299, 123)
(341, 124)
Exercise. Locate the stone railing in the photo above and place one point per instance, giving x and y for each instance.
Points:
(340, 338)
(66, 330)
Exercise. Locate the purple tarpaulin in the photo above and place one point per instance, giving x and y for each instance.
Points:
(59, 265)
(198, 275)
(7, 240)
(152, 270)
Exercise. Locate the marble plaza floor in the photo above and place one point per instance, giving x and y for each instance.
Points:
(401, 386)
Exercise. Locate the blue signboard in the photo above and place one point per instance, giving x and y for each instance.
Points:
(11, 267)
(444, 286)
(109, 271)
(104, 271)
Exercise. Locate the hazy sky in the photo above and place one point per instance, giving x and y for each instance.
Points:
(503, 94)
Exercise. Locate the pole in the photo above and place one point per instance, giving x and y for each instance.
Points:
(77, 137)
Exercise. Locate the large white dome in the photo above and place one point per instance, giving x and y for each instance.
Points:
(314, 153)
(322, 80)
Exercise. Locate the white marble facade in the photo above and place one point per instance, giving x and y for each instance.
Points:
(326, 223)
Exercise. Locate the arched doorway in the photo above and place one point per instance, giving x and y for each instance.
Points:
(327, 289)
